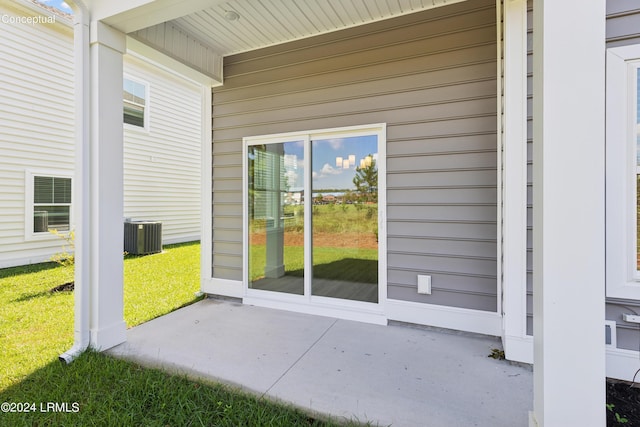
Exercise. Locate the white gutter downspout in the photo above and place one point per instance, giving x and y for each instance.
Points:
(81, 183)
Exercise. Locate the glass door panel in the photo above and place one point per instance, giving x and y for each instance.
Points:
(276, 217)
(344, 187)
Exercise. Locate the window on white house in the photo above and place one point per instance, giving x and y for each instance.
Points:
(135, 102)
(51, 203)
(623, 172)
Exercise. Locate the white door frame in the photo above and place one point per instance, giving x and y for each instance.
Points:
(307, 303)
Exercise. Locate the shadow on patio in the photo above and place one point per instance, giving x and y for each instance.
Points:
(389, 375)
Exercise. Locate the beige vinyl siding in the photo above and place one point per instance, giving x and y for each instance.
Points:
(162, 165)
(623, 28)
(36, 123)
(431, 77)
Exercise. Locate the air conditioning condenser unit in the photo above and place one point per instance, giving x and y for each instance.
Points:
(142, 237)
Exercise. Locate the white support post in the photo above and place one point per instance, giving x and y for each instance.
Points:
(569, 82)
(107, 326)
(206, 212)
(514, 238)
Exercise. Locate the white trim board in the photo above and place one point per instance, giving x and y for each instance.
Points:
(222, 287)
(461, 319)
(309, 303)
(514, 180)
(206, 186)
(518, 349)
(621, 275)
(319, 309)
(622, 364)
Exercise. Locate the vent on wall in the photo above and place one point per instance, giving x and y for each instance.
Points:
(142, 237)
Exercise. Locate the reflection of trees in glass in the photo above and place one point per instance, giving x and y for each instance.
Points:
(366, 181)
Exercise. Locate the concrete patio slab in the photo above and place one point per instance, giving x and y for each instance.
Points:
(389, 375)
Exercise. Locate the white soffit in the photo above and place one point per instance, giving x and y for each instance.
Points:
(265, 23)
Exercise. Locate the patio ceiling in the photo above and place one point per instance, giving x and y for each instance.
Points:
(262, 23)
(200, 33)
(259, 23)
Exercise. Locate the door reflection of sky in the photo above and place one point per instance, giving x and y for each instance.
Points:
(326, 172)
(327, 153)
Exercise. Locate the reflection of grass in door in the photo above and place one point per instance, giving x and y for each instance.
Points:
(293, 260)
(338, 263)
(336, 218)
(358, 265)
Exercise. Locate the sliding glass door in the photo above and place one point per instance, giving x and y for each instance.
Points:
(312, 215)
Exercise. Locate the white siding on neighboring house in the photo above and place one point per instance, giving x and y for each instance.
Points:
(36, 125)
(161, 165)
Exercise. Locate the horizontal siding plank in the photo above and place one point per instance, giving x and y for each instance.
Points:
(435, 229)
(475, 301)
(442, 145)
(448, 195)
(442, 162)
(227, 273)
(456, 177)
(416, 212)
(624, 25)
(441, 247)
(458, 264)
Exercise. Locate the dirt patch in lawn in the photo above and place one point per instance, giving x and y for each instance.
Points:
(623, 404)
(329, 240)
(65, 287)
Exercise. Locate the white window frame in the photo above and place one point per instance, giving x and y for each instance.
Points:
(147, 104)
(622, 279)
(30, 175)
(311, 304)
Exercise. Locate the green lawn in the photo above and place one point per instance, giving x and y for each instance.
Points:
(337, 259)
(102, 391)
(36, 326)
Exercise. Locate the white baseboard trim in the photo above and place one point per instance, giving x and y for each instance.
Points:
(105, 338)
(518, 349)
(622, 364)
(224, 287)
(318, 310)
(461, 319)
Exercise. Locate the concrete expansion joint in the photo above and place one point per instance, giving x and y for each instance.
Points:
(299, 358)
